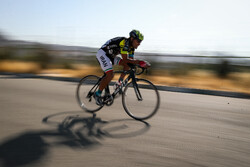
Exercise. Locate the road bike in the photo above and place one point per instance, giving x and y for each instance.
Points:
(140, 97)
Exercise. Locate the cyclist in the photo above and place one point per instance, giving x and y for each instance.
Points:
(107, 56)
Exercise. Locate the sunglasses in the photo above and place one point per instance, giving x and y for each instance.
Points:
(138, 40)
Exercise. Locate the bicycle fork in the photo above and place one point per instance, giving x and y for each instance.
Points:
(137, 91)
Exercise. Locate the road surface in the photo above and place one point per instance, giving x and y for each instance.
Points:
(43, 126)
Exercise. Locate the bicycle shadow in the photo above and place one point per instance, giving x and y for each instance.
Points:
(71, 130)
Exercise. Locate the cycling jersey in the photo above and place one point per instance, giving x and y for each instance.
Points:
(118, 45)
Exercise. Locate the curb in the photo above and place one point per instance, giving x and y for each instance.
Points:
(162, 88)
(205, 92)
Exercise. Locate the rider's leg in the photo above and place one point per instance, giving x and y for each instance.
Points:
(106, 80)
(119, 61)
(104, 83)
(125, 68)
(106, 66)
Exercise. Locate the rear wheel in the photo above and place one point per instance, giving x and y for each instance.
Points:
(85, 93)
(140, 100)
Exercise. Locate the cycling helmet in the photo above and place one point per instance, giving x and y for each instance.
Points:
(136, 34)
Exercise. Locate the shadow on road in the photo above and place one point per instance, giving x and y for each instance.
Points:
(69, 130)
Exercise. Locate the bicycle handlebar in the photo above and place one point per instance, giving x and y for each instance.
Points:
(143, 69)
(132, 67)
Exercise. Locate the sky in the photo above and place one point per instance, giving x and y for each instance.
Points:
(169, 26)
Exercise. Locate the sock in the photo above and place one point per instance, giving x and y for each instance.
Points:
(98, 93)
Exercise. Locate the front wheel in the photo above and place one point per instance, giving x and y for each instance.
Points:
(140, 99)
(85, 93)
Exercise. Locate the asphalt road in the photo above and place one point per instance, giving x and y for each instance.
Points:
(41, 125)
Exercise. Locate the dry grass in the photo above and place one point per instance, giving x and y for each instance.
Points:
(19, 67)
(236, 82)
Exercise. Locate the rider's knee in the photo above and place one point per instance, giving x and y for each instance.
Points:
(110, 75)
(126, 67)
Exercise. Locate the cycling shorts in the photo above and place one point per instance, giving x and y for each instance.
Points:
(105, 62)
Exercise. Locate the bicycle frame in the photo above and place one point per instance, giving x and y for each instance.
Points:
(131, 73)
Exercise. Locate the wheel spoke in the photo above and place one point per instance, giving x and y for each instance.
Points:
(85, 91)
(141, 101)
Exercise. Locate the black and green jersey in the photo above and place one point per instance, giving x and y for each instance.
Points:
(118, 45)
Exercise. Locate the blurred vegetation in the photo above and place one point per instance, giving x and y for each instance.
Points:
(217, 72)
(48, 58)
(222, 69)
(7, 53)
(38, 54)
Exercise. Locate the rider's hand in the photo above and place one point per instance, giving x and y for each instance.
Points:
(144, 64)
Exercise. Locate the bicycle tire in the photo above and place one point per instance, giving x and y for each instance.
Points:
(84, 94)
(141, 109)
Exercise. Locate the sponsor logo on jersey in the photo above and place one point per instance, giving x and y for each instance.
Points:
(104, 61)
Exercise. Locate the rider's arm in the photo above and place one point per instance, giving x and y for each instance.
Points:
(127, 54)
(129, 60)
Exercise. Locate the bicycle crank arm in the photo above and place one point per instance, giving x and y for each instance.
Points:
(109, 101)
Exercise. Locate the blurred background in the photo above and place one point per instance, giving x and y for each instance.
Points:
(195, 44)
